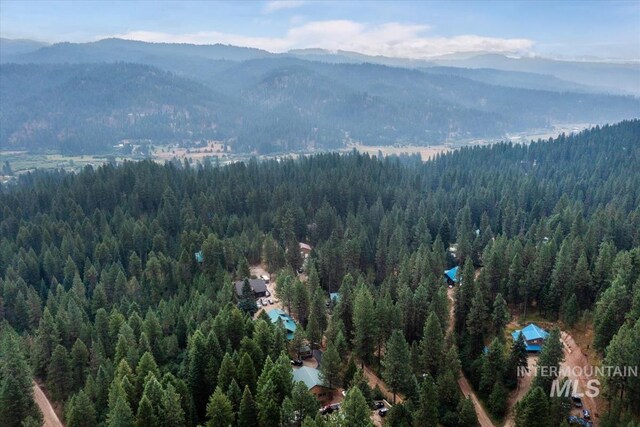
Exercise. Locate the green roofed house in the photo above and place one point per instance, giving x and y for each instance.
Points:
(311, 378)
(289, 324)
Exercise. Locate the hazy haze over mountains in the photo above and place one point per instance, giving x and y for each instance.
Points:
(260, 101)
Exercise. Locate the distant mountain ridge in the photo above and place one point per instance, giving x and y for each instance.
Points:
(87, 97)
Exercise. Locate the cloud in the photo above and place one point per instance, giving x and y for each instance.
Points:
(391, 39)
(274, 6)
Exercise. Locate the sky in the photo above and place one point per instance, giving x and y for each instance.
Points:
(411, 29)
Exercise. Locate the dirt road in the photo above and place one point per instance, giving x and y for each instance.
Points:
(524, 384)
(578, 366)
(483, 418)
(48, 414)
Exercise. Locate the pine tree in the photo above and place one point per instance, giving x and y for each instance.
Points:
(466, 413)
(426, 414)
(500, 315)
(16, 392)
(120, 414)
(533, 409)
(364, 325)
(432, 346)
(219, 410)
(59, 374)
(397, 360)
(246, 373)
(146, 416)
(199, 362)
(354, 410)
(79, 364)
(171, 411)
(330, 367)
(235, 395)
(81, 412)
(551, 356)
(571, 310)
(248, 414)
(517, 361)
(300, 405)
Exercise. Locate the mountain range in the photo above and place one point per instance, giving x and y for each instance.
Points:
(85, 97)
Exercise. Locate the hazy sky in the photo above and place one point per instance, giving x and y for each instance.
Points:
(568, 29)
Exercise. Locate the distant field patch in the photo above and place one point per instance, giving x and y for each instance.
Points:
(425, 152)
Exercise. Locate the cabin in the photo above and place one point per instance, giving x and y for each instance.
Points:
(305, 249)
(199, 257)
(311, 378)
(289, 324)
(534, 337)
(451, 276)
(258, 286)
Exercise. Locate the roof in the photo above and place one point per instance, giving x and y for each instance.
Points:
(531, 332)
(257, 285)
(452, 274)
(334, 296)
(305, 247)
(199, 256)
(289, 324)
(309, 376)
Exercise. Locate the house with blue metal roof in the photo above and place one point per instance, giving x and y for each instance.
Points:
(289, 324)
(451, 275)
(534, 337)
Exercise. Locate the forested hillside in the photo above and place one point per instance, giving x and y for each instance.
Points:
(81, 99)
(102, 298)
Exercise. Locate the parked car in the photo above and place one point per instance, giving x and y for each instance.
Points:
(344, 393)
(383, 412)
(577, 402)
(296, 362)
(326, 410)
(586, 414)
(270, 301)
(378, 404)
(335, 406)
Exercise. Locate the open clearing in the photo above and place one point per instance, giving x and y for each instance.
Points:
(426, 152)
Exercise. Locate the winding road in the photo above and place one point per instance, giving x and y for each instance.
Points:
(50, 418)
(483, 418)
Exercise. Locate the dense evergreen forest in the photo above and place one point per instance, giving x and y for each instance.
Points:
(102, 299)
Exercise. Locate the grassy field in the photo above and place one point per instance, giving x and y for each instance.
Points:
(426, 152)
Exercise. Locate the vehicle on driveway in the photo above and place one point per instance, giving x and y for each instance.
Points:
(378, 404)
(577, 402)
(586, 414)
(383, 412)
(296, 362)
